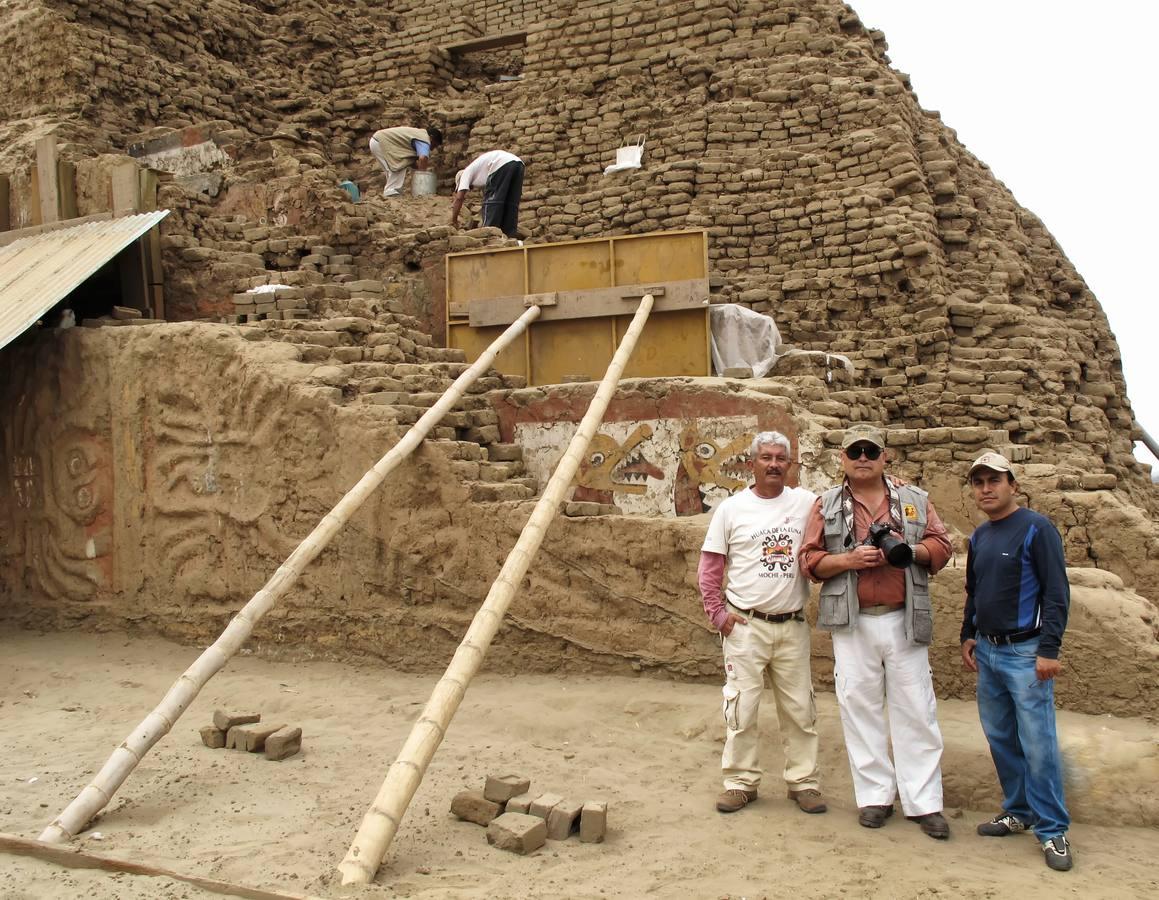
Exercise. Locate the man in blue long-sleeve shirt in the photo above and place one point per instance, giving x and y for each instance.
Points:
(1017, 597)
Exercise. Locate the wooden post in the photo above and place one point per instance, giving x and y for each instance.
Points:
(380, 824)
(47, 186)
(184, 691)
(5, 199)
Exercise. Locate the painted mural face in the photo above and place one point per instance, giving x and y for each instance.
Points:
(620, 468)
(706, 463)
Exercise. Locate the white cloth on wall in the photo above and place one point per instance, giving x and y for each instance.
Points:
(743, 338)
(630, 156)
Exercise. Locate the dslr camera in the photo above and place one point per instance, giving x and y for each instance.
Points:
(897, 552)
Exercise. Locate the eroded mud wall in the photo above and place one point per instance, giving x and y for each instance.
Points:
(156, 476)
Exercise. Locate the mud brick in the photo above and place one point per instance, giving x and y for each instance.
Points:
(213, 737)
(249, 737)
(738, 372)
(580, 508)
(501, 788)
(563, 819)
(520, 804)
(593, 821)
(367, 286)
(517, 832)
(283, 743)
(543, 804)
(474, 807)
(505, 453)
(225, 720)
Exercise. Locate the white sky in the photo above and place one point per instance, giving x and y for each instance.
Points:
(1059, 99)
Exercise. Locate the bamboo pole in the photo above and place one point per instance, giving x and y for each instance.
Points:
(157, 724)
(381, 821)
(83, 859)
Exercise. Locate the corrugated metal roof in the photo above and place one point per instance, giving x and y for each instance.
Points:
(37, 272)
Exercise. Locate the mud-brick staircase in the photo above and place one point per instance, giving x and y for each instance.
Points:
(389, 365)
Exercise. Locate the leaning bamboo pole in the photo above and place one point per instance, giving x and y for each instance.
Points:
(157, 724)
(381, 821)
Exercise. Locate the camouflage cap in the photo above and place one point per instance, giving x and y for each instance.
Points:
(991, 459)
(870, 434)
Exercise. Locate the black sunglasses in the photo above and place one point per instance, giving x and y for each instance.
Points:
(871, 451)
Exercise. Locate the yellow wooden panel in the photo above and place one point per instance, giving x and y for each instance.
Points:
(675, 256)
(473, 341)
(568, 267)
(473, 276)
(671, 344)
(570, 350)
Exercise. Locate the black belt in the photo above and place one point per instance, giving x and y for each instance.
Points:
(1013, 637)
(797, 615)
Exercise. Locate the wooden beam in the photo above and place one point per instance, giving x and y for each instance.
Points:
(5, 199)
(487, 42)
(47, 185)
(80, 859)
(587, 304)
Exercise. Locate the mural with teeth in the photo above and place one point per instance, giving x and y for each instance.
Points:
(657, 467)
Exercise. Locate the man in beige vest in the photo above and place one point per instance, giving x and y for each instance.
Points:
(397, 149)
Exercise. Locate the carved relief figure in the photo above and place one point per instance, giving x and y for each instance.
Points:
(613, 468)
(60, 519)
(704, 464)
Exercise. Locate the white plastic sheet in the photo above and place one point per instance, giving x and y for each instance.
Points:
(743, 338)
(630, 156)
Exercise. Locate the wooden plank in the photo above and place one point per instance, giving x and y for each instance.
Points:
(486, 42)
(134, 282)
(66, 178)
(614, 301)
(82, 859)
(5, 199)
(47, 186)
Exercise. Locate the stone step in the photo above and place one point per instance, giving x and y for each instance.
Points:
(489, 492)
(459, 450)
(505, 453)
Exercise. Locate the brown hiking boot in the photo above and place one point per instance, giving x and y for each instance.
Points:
(933, 824)
(809, 800)
(734, 799)
(874, 816)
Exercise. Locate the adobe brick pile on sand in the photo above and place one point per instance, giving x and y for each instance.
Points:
(156, 475)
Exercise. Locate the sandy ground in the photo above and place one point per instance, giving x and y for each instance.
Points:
(650, 748)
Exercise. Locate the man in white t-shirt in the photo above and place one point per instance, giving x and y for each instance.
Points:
(755, 534)
(500, 174)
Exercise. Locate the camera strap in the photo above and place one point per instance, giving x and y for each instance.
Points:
(847, 509)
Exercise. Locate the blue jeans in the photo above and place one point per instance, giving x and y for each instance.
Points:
(1017, 713)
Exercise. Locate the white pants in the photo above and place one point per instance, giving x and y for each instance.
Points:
(783, 648)
(875, 667)
(394, 179)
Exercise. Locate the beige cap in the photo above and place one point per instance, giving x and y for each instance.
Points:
(991, 459)
(870, 434)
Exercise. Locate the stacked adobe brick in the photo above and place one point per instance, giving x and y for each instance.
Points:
(833, 201)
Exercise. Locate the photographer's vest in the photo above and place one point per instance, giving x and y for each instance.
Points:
(838, 604)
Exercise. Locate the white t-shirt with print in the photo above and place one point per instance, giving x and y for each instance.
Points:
(761, 539)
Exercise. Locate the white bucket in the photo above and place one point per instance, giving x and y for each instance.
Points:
(423, 183)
